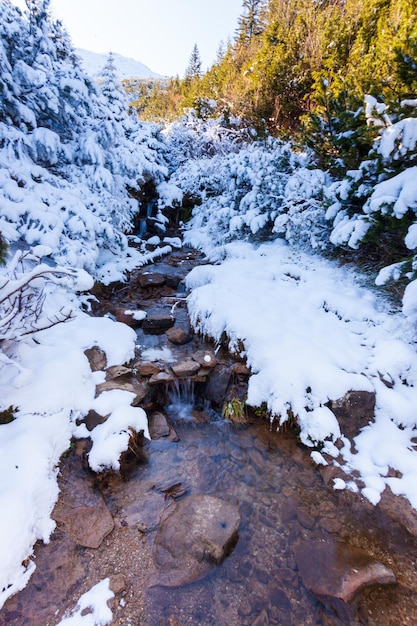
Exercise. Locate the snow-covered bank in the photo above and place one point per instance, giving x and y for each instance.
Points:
(47, 378)
(311, 333)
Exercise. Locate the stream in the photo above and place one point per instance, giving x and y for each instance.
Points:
(284, 501)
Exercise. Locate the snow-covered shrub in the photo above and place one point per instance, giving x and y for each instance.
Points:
(262, 191)
(191, 137)
(377, 204)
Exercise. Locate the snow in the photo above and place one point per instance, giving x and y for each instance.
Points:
(92, 608)
(311, 333)
(47, 377)
(94, 62)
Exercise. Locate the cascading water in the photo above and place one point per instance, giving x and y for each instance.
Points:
(186, 401)
(143, 223)
(181, 399)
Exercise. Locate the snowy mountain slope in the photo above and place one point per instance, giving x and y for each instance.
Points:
(93, 64)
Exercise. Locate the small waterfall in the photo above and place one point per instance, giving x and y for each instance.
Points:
(181, 399)
(143, 224)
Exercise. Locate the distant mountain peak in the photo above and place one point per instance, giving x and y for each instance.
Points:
(94, 63)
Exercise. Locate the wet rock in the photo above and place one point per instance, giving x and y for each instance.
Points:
(336, 573)
(289, 509)
(178, 336)
(146, 369)
(97, 358)
(240, 369)
(262, 619)
(306, 520)
(158, 425)
(206, 358)
(127, 316)
(84, 513)
(185, 368)
(280, 599)
(131, 317)
(151, 279)
(157, 323)
(399, 510)
(118, 371)
(140, 389)
(331, 524)
(172, 280)
(161, 378)
(354, 411)
(58, 568)
(194, 534)
(328, 474)
(218, 384)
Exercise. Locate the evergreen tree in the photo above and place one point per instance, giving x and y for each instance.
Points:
(250, 22)
(193, 70)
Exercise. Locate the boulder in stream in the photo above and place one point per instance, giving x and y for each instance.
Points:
(194, 534)
(157, 323)
(186, 368)
(151, 279)
(178, 336)
(337, 572)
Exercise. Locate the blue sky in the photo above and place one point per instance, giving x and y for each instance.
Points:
(159, 33)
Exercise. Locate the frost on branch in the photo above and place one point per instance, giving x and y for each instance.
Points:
(22, 295)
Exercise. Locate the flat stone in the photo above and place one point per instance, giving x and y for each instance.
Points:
(82, 511)
(140, 389)
(117, 371)
(151, 279)
(131, 317)
(206, 358)
(185, 368)
(97, 358)
(178, 336)
(157, 323)
(337, 571)
(194, 534)
(126, 316)
(158, 425)
(146, 369)
(161, 378)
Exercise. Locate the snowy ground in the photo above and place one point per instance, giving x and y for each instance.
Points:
(310, 333)
(48, 378)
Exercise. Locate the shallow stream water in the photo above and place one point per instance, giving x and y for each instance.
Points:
(283, 501)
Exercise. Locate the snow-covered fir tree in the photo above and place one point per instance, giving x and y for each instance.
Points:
(68, 149)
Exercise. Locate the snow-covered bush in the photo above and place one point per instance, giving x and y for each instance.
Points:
(377, 204)
(262, 191)
(191, 137)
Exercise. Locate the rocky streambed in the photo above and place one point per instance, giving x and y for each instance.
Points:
(220, 519)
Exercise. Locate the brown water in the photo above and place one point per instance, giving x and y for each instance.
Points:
(283, 501)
